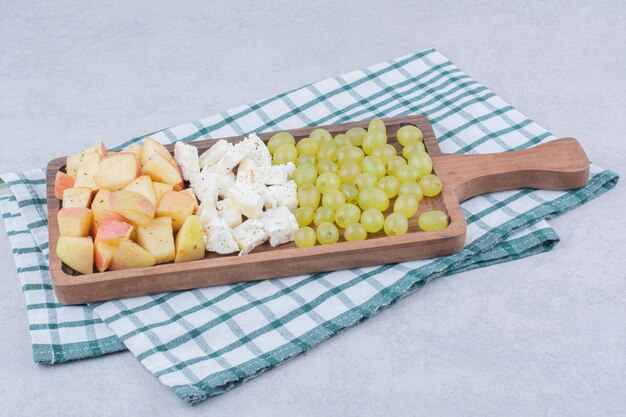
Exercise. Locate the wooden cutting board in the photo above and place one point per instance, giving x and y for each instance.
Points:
(557, 165)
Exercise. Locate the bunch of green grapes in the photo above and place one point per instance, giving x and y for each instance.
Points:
(356, 183)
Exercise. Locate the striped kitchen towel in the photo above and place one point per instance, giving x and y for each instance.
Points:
(204, 342)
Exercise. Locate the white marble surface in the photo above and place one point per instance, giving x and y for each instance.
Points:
(540, 336)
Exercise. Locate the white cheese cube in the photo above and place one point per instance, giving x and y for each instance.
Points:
(226, 181)
(285, 195)
(244, 170)
(269, 201)
(279, 224)
(207, 212)
(254, 148)
(187, 157)
(246, 200)
(249, 235)
(214, 153)
(205, 185)
(273, 174)
(220, 238)
(229, 213)
(227, 162)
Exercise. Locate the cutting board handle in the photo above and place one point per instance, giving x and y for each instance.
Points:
(557, 165)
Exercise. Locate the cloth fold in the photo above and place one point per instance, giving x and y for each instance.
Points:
(204, 342)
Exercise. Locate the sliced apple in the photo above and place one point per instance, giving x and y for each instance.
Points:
(157, 237)
(136, 149)
(116, 171)
(101, 208)
(193, 195)
(163, 170)
(189, 240)
(87, 170)
(62, 181)
(103, 254)
(135, 207)
(160, 189)
(73, 161)
(150, 147)
(74, 221)
(114, 231)
(76, 252)
(143, 186)
(77, 197)
(178, 205)
(130, 255)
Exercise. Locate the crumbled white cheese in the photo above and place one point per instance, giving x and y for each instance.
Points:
(273, 174)
(226, 181)
(269, 201)
(279, 224)
(207, 212)
(220, 238)
(187, 157)
(254, 148)
(205, 185)
(229, 213)
(246, 200)
(244, 170)
(249, 235)
(285, 195)
(226, 164)
(214, 153)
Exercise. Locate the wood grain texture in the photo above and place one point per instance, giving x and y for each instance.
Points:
(558, 165)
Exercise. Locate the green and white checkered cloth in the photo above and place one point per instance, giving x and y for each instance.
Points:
(204, 342)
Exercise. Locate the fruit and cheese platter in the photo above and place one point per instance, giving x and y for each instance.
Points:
(153, 218)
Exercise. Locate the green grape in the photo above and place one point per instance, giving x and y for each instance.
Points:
(347, 214)
(373, 165)
(349, 171)
(433, 220)
(377, 124)
(325, 165)
(285, 153)
(411, 187)
(323, 215)
(406, 204)
(349, 152)
(365, 180)
(396, 224)
(349, 192)
(327, 151)
(407, 173)
(356, 135)
(422, 162)
(355, 232)
(322, 135)
(304, 215)
(413, 147)
(306, 159)
(305, 237)
(308, 196)
(372, 220)
(373, 197)
(327, 181)
(373, 139)
(408, 134)
(389, 185)
(394, 163)
(305, 174)
(333, 199)
(384, 152)
(278, 139)
(342, 140)
(430, 185)
(327, 233)
(308, 146)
